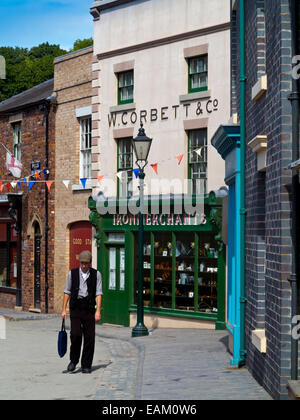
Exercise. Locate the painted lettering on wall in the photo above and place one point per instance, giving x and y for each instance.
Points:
(187, 110)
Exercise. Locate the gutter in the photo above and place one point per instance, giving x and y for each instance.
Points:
(243, 210)
(46, 108)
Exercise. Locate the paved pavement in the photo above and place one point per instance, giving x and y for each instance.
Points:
(169, 364)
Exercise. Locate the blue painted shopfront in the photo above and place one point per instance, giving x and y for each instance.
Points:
(227, 142)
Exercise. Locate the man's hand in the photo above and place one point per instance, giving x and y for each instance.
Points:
(64, 314)
(97, 316)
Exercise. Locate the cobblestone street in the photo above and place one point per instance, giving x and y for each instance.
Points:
(181, 364)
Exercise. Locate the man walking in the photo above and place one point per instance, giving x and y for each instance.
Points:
(84, 291)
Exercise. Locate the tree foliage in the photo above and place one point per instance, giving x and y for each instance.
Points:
(26, 68)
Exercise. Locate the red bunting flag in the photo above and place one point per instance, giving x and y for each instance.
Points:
(1, 186)
(8, 187)
(49, 183)
(37, 176)
(179, 157)
(100, 177)
(154, 166)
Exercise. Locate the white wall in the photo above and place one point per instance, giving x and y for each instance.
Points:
(161, 77)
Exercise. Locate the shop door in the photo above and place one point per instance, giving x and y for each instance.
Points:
(80, 240)
(37, 267)
(116, 309)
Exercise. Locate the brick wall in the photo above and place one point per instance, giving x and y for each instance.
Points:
(33, 201)
(73, 87)
(268, 223)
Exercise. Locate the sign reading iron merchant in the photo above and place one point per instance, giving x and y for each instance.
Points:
(159, 220)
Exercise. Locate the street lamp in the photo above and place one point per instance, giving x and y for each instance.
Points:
(141, 146)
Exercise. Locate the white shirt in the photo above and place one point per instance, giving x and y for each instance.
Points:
(83, 290)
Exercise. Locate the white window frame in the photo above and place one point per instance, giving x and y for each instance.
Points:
(17, 140)
(85, 163)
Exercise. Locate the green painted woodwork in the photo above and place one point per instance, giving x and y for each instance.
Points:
(117, 304)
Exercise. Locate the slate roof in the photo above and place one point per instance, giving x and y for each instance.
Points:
(31, 96)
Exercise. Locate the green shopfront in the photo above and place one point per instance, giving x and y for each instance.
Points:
(184, 264)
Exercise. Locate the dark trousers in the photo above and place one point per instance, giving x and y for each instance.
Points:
(82, 325)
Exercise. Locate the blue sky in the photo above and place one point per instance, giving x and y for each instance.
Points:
(26, 23)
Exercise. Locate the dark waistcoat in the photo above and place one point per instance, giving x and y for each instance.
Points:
(91, 287)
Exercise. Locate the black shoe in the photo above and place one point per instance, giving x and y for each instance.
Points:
(86, 370)
(71, 367)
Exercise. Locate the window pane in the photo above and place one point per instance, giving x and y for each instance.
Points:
(85, 148)
(122, 268)
(127, 93)
(185, 271)
(3, 267)
(112, 269)
(125, 85)
(163, 270)
(126, 79)
(198, 65)
(198, 161)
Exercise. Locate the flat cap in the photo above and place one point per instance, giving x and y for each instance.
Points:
(85, 256)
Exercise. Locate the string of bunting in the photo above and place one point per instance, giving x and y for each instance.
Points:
(36, 177)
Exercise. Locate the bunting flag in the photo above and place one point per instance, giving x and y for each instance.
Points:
(13, 184)
(1, 186)
(136, 172)
(30, 184)
(179, 157)
(154, 166)
(66, 183)
(120, 174)
(83, 182)
(24, 180)
(100, 177)
(19, 184)
(199, 151)
(49, 183)
(37, 175)
(13, 165)
(8, 187)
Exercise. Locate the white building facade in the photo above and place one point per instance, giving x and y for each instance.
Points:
(165, 64)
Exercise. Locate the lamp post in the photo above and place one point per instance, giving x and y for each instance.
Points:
(141, 146)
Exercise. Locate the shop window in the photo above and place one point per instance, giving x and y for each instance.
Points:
(3, 266)
(125, 87)
(180, 271)
(85, 148)
(8, 257)
(197, 153)
(198, 74)
(125, 166)
(17, 140)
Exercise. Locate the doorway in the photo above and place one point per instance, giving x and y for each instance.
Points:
(37, 266)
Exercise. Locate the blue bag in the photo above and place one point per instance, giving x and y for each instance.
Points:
(62, 342)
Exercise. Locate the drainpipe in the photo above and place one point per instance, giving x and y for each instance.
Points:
(46, 108)
(243, 80)
(294, 98)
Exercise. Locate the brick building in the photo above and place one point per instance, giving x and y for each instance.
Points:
(27, 128)
(73, 233)
(265, 342)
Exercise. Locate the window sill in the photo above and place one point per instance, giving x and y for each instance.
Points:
(260, 88)
(124, 107)
(79, 187)
(196, 95)
(8, 290)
